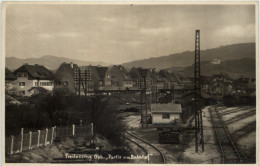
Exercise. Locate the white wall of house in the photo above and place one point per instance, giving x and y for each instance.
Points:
(157, 118)
(23, 85)
(46, 84)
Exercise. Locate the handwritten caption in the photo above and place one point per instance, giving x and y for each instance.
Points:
(91, 157)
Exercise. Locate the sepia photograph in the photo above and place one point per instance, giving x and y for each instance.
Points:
(129, 83)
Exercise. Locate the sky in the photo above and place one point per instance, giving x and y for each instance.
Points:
(117, 34)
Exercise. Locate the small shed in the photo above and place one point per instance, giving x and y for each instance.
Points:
(165, 113)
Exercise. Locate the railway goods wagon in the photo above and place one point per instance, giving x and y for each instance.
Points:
(169, 137)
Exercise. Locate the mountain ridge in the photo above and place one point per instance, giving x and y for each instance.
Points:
(186, 58)
(49, 61)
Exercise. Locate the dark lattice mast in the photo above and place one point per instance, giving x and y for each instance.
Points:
(197, 88)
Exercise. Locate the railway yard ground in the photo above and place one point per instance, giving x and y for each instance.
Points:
(229, 136)
(239, 123)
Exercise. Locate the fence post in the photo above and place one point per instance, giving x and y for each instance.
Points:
(80, 122)
(73, 130)
(30, 139)
(46, 137)
(39, 136)
(92, 132)
(21, 149)
(52, 134)
(12, 145)
(55, 133)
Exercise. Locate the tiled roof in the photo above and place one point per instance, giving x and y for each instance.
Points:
(36, 71)
(167, 75)
(143, 72)
(40, 89)
(102, 71)
(9, 75)
(155, 76)
(66, 68)
(166, 108)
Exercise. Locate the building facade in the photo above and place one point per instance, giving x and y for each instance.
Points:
(29, 76)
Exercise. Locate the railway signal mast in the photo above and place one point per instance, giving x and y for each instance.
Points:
(197, 89)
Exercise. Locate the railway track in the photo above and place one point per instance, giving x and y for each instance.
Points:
(155, 155)
(141, 147)
(236, 110)
(229, 152)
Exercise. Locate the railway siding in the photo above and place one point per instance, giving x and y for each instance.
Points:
(227, 147)
(156, 157)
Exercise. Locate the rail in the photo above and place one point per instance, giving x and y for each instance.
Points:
(137, 145)
(232, 145)
(161, 154)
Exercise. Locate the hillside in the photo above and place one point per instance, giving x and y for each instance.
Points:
(224, 53)
(235, 68)
(50, 62)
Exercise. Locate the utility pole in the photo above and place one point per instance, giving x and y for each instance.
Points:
(79, 81)
(141, 101)
(156, 93)
(85, 83)
(145, 102)
(197, 88)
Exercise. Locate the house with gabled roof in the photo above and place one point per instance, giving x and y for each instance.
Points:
(119, 77)
(140, 76)
(167, 78)
(99, 77)
(29, 76)
(65, 77)
(205, 82)
(157, 81)
(9, 76)
(222, 84)
(10, 81)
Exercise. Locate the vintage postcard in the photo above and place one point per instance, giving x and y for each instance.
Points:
(130, 83)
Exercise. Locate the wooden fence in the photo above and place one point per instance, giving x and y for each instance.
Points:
(32, 140)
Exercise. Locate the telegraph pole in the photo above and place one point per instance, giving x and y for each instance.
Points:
(197, 88)
(79, 81)
(141, 101)
(85, 83)
(145, 102)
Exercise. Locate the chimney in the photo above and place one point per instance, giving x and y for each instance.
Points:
(71, 65)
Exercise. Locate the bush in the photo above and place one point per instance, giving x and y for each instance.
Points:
(59, 109)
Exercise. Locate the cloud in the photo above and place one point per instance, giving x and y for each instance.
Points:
(61, 34)
(105, 32)
(69, 34)
(82, 51)
(237, 30)
(45, 36)
(156, 31)
(108, 19)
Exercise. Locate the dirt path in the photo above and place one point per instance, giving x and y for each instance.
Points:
(211, 154)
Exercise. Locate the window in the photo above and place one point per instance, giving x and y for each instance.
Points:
(166, 116)
(42, 83)
(49, 83)
(21, 83)
(45, 83)
(21, 74)
(36, 83)
(21, 92)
